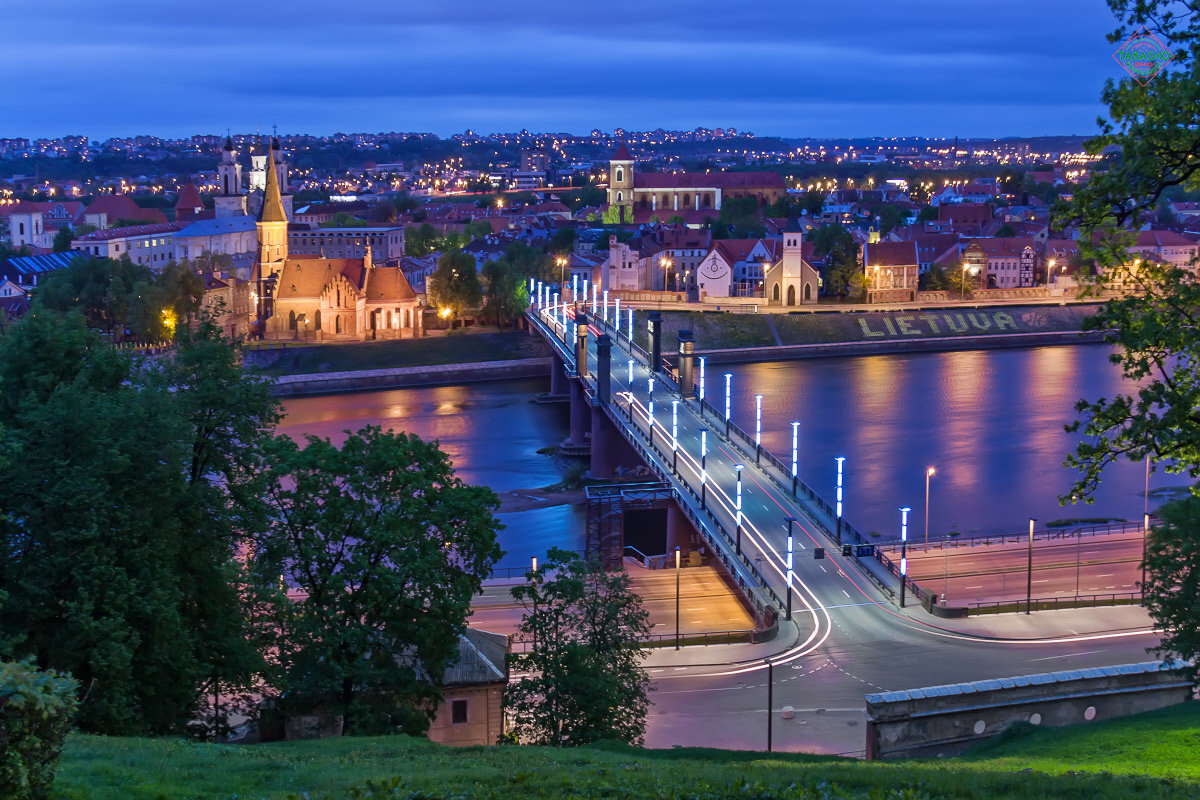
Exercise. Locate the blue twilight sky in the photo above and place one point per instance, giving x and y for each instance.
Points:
(783, 67)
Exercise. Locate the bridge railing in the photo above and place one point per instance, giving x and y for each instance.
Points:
(1044, 535)
(1052, 603)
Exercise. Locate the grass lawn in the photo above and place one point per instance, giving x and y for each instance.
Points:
(459, 347)
(1152, 756)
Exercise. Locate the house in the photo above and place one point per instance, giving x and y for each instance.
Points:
(891, 271)
(111, 210)
(1010, 263)
(969, 219)
(149, 245)
(471, 711)
(792, 280)
(236, 237)
(736, 267)
(667, 192)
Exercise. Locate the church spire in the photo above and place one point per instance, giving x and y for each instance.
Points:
(272, 207)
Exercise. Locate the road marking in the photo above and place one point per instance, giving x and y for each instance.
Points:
(1105, 575)
(1043, 580)
(1068, 655)
(846, 593)
(974, 587)
(822, 568)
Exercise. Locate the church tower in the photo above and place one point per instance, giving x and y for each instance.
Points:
(620, 178)
(229, 201)
(272, 226)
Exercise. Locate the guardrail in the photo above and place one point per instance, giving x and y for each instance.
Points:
(697, 638)
(1052, 603)
(1044, 535)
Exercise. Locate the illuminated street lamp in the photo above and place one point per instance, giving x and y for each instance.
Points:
(650, 410)
(701, 387)
(574, 288)
(929, 473)
(666, 265)
(1049, 266)
(606, 307)
(703, 469)
(1029, 570)
(674, 436)
(790, 520)
(617, 312)
(630, 334)
(840, 461)
(595, 291)
(795, 456)
(630, 381)
(677, 598)
(737, 505)
(903, 551)
(757, 427)
(728, 405)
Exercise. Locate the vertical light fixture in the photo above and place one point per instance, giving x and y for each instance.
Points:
(903, 551)
(728, 402)
(757, 427)
(605, 306)
(795, 456)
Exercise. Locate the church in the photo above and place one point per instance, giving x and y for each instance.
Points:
(313, 298)
(691, 196)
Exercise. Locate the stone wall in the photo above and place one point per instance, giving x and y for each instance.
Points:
(946, 720)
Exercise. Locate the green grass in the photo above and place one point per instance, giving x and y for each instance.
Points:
(459, 347)
(1150, 756)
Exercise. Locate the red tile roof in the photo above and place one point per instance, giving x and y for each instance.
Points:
(120, 206)
(622, 154)
(889, 254)
(705, 180)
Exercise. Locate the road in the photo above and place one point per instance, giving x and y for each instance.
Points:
(850, 638)
(1065, 567)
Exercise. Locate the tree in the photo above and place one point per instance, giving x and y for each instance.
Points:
(454, 285)
(63, 239)
(585, 681)
(1153, 320)
(117, 520)
(344, 220)
(421, 240)
(563, 241)
(506, 289)
(477, 229)
(1006, 231)
(384, 548)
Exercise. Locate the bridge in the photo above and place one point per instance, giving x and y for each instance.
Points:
(786, 547)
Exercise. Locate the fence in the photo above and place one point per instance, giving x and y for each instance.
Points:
(1053, 603)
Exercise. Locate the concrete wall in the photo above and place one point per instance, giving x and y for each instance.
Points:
(946, 720)
(446, 374)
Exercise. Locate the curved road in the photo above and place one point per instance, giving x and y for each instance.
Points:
(850, 639)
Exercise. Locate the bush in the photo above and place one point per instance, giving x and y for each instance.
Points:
(36, 709)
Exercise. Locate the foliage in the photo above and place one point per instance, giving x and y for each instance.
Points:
(63, 239)
(927, 214)
(742, 215)
(124, 485)
(36, 710)
(833, 245)
(506, 290)
(584, 678)
(613, 215)
(421, 240)
(1147, 755)
(385, 548)
(1172, 584)
(454, 285)
(563, 241)
(344, 220)
(1006, 231)
(477, 229)
(122, 298)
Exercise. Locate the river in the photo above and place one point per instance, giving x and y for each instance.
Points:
(989, 421)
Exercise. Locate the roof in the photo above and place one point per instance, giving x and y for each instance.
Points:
(388, 285)
(705, 180)
(120, 206)
(217, 225)
(49, 262)
(1162, 239)
(889, 254)
(307, 277)
(622, 154)
(130, 230)
(482, 658)
(189, 197)
(272, 207)
(1006, 246)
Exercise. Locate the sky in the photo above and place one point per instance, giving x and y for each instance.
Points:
(775, 67)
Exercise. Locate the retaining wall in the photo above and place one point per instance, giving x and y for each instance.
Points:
(946, 720)
(369, 379)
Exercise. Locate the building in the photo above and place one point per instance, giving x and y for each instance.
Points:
(236, 237)
(792, 280)
(386, 243)
(471, 711)
(664, 192)
(149, 245)
(891, 271)
(1008, 263)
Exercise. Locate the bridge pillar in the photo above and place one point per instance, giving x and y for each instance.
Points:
(558, 376)
(603, 368)
(581, 413)
(680, 532)
(581, 330)
(687, 344)
(655, 348)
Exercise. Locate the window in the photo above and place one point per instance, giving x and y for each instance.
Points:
(458, 712)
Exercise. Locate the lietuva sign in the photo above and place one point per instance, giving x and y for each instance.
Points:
(946, 323)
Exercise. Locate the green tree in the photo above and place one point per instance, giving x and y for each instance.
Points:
(1006, 231)
(477, 229)
(1154, 319)
(927, 214)
(343, 219)
(584, 678)
(118, 557)
(421, 240)
(563, 241)
(506, 290)
(63, 239)
(454, 285)
(613, 215)
(385, 548)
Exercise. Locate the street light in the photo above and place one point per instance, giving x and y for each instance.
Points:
(795, 456)
(665, 263)
(1029, 570)
(595, 292)
(757, 427)
(703, 469)
(617, 312)
(676, 598)
(737, 505)
(606, 306)
(650, 410)
(929, 473)
(630, 335)
(790, 520)
(1049, 266)
(903, 551)
(728, 386)
(840, 461)
(574, 283)
(630, 372)
(674, 436)
(701, 387)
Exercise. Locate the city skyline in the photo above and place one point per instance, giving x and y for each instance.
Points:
(781, 70)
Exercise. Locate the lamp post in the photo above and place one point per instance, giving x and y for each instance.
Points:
(929, 473)
(630, 335)
(840, 461)
(757, 428)
(605, 315)
(964, 282)
(795, 456)
(676, 598)
(1049, 266)
(770, 699)
(790, 520)
(541, 298)
(675, 436)
(701, 387)
(728, 386)
(617, 312)
(1029, 569)
(1145, 538)
(903, 551)
(574, 288)
(737, 505)
(650, 410)
(665, 263)
(631, 372)
(595, 292)
(703, 468)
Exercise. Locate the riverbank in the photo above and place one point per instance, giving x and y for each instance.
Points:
(403, 377)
